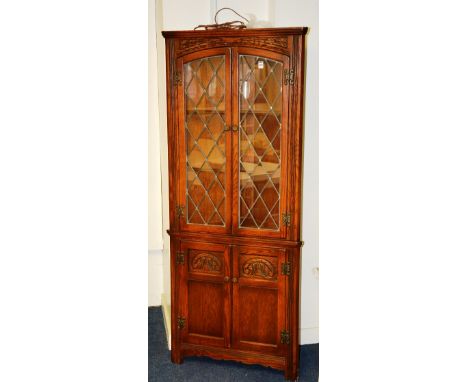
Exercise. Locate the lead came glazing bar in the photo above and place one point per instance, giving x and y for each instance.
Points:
(260, 108)
(205, 127)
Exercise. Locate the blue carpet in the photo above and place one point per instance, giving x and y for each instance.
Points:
(201, 369)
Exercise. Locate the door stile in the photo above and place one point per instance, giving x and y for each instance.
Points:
(285, 204)
(180, 146)
(235, 140)
(228, 137)
(176, 308)
(182, 295)
(227, 296)
(283, 281)
(235, 296)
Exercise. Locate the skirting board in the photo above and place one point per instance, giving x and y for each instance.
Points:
(166, 310)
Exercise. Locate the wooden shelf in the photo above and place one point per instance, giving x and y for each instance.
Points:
(260, 108)
(257, 109)
(205, 110)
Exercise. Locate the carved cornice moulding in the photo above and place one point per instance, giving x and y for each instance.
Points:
(275, 43)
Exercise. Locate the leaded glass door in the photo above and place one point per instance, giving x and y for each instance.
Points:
(260, 114)
(204, 97)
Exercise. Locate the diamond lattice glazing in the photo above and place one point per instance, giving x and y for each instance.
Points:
(260, 105)
(204, 87)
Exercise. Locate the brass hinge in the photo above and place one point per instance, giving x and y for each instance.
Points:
(289, 76)
(177, 79)
(287, 219)
(285, 337)
(180, 211)
(180, 322)
(286, 269)
(180, 257)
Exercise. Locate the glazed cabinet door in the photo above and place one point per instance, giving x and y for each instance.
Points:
(204, 294)
(204, 120)
(259, 300)
(260, 141)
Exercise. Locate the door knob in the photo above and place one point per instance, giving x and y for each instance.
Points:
(226, 279)
(234, 279)
(235, 128)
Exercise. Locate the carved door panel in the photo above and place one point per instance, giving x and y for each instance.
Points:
(259, 299)
(204, 119)
(204, 294)
(260, 143)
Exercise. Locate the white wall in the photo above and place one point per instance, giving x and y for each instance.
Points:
(258, 12)
(155, 239)
(154, 167)
(186, 14)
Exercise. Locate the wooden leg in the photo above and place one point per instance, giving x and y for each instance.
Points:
(176, 357)
(292, 361)
(290, 374)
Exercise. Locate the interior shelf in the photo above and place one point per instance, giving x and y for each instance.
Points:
(202, 110)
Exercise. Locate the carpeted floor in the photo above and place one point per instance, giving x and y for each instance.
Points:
(200, 369)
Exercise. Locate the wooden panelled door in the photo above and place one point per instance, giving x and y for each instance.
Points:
(259, 300)
(205, 142)
(204, 294)
(260, 110)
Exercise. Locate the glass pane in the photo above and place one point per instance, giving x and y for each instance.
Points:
(260, 105)
(204, 87)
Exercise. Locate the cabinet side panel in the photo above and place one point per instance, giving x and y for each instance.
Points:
(171, 132)
(296, 122)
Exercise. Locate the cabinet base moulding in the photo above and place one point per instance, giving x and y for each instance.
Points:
(250, 358)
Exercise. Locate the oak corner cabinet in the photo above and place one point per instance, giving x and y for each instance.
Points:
(234, 122)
